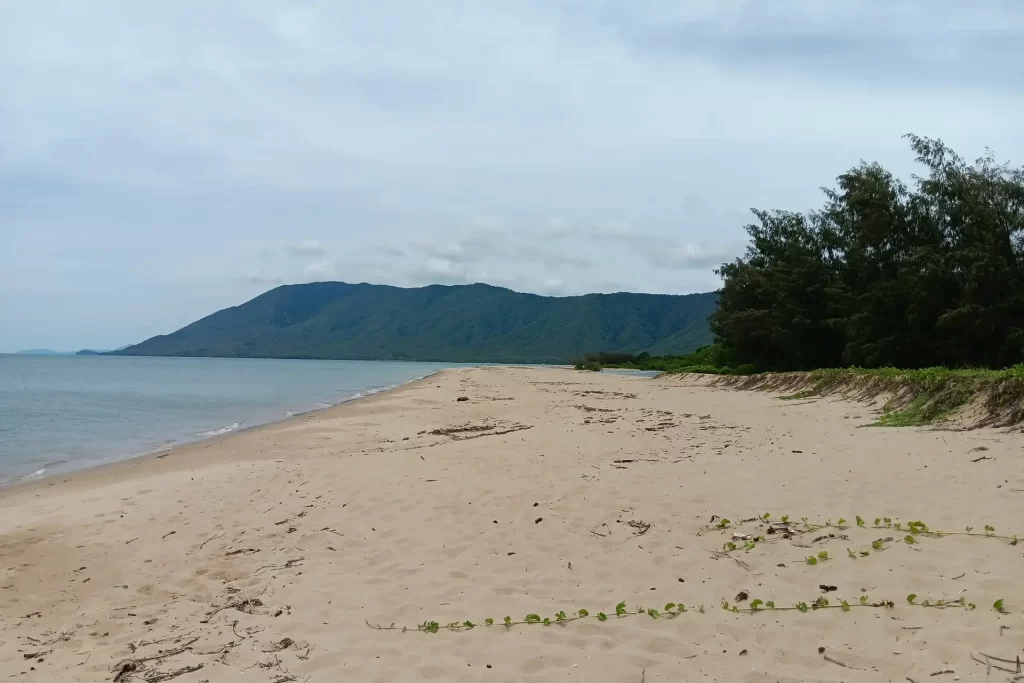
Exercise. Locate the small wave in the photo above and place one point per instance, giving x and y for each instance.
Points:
(24, 477)
(289, 413)
(223, 430)
(323, 405)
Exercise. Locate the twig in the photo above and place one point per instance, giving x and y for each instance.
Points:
(990, 665)
(169, 533)
(161, 655)
(984, 457)
(233, 625)
(208, 540)
(960, 577)
(942, 671)
(715, 554)
(1000, 659)
(641, 527)
(147, 643)
(836, 661)
(157, 677)
(275, 567)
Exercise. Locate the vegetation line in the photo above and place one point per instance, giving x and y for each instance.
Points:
(914, 397)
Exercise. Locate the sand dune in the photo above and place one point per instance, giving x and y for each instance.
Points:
(259, 556)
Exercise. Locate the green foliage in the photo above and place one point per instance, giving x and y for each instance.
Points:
(674, 610)
(886, 275)
(471, 323)
(709, 360)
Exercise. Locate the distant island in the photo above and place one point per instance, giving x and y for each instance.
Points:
(51, 352)
(43, 352)
(463, 323)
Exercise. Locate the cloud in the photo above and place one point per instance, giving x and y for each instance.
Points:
(260, 280)
(162, 160)
(675, 256)
(307, 248)
(320, 271)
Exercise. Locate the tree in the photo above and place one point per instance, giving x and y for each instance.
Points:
(884, 274)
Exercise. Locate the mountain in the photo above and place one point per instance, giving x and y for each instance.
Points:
(469, 323)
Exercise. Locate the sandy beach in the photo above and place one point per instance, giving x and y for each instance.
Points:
(260, 556)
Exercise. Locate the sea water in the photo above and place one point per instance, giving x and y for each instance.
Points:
(62, 413)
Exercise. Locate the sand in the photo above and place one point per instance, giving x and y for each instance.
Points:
(261, 555)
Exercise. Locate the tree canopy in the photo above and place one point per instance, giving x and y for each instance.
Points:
(885, 273)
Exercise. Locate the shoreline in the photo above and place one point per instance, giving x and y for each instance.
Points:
(133, 461)
(267, 552)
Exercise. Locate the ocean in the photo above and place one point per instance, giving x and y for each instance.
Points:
(63, 413)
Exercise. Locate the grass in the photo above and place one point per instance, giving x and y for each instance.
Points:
(915, 397)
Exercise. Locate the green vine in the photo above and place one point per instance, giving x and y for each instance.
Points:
(674, 610)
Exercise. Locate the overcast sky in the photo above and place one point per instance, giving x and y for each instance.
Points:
(162, 160)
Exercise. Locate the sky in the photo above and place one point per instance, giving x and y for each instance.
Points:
(160, 161)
